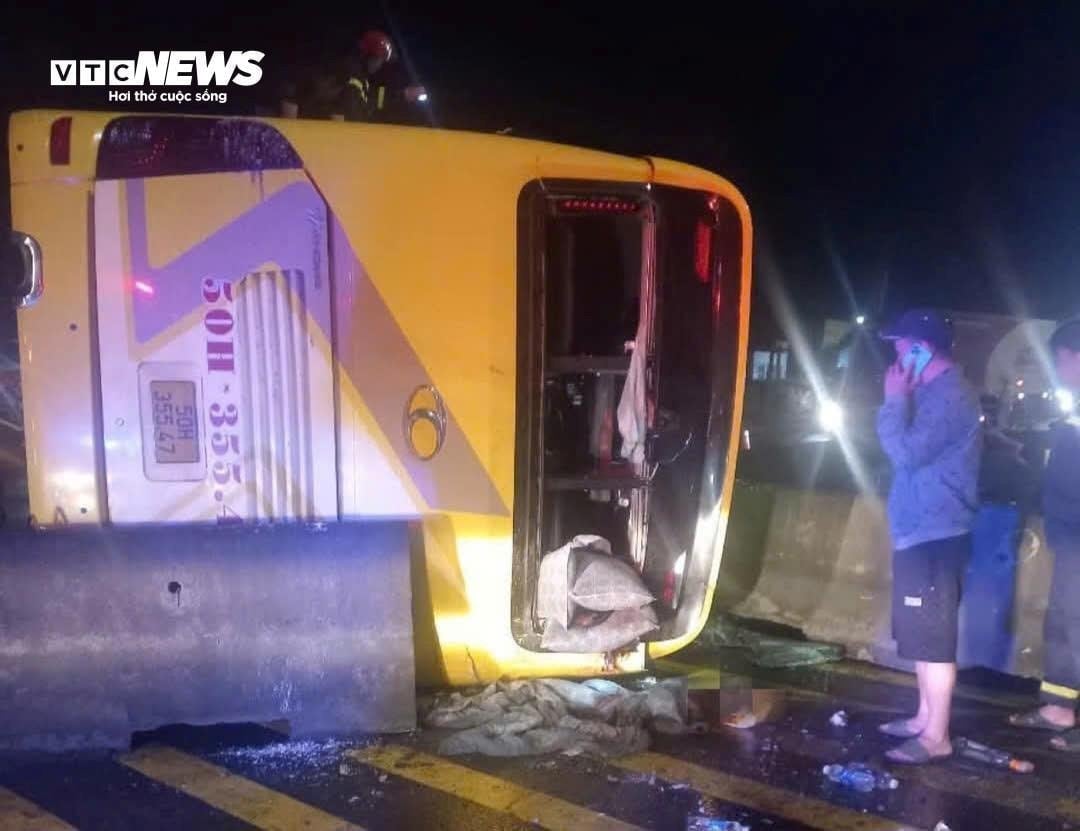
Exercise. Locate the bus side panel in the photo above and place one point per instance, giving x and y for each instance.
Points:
(56, 357)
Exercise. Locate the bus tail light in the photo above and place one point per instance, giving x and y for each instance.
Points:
(60, 141)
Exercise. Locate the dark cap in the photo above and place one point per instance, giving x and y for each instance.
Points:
(922, 324)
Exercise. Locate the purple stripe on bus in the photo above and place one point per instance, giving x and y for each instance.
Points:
(373, 351)
(270, 232)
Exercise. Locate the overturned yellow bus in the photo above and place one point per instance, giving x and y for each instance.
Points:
(458, 351)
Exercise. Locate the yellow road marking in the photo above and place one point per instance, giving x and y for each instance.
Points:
(18, 814)
(757, 795)
(244, 799)
(488, 791)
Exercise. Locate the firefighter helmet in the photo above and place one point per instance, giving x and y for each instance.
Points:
(376, 44)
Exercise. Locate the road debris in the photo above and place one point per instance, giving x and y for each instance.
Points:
(860, 777)
(839, 719)
(992, 756)
(703, 823)
(766, 650)
(537, 717)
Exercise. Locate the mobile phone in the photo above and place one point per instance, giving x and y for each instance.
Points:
(917, 357)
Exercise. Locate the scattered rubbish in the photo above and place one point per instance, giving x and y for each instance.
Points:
(591, 600)
(383, 779)
(679, 786)
(344, 769)
(286, 754)
(839, 719)
(353, 800)
(704, 823)
(614, 780)
(992, 756)
(941, 826)
(641, 779)
(543, 716)
(860, 777)
(377, 794)
(767, 650)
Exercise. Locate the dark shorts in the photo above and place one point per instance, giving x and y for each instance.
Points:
(927, 581)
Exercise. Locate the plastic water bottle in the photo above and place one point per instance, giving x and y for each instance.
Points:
(703, 823)
(860, 777)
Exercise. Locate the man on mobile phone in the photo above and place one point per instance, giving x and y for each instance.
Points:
(929, 428)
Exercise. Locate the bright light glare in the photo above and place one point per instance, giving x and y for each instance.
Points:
(830, 415)
(1065, 399)
(1021, 396)
(144, 287)
(680, 565)
(860, 320)
(422, 97)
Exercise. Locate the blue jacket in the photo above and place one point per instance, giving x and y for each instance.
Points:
(934, 440)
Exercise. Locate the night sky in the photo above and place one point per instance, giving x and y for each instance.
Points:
(937, 144)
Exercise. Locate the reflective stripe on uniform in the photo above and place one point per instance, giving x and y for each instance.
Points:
(362, 86)
(1060, 692)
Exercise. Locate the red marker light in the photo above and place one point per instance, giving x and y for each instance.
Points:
(702, 251)
(60, 141)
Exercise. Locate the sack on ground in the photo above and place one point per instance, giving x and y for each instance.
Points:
(620, 629)
(604, 583)
(556, 578)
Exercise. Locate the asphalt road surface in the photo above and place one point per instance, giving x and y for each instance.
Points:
(766, 777)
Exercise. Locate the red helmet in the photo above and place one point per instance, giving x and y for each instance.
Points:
(376, 44)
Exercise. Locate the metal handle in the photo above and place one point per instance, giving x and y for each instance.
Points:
(31, 253)
(436, 417)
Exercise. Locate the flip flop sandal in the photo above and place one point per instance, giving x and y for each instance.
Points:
(898, 729)
(1067, 742)
(1035, 721)
(912, 752)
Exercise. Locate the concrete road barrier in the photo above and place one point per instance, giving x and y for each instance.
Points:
(820, 561)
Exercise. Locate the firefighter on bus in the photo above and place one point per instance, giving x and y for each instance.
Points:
(366, 85)
(375, 87)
